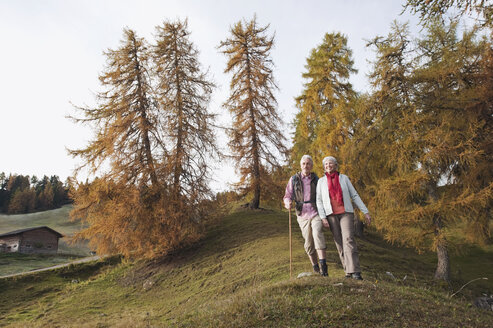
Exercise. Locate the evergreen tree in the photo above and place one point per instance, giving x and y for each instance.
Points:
(255, 137)
(34, 181)
(46, 198)
(59, 192)
(22, 194)
(323, 123)
(41, 184)
(4, 194)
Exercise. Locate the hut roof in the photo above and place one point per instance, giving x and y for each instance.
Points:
(18, 232)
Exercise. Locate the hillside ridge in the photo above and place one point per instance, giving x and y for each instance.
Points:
(238, 276)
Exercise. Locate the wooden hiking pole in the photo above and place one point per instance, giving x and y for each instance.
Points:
(290, 248)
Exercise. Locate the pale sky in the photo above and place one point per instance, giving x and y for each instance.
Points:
(52, 53)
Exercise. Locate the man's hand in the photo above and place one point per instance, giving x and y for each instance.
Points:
(368, 218)
(325, 223)
(287, 203)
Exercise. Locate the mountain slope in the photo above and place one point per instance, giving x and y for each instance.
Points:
(238, 276)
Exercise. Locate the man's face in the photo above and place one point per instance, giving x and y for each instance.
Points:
(330, 167)
(306, 166)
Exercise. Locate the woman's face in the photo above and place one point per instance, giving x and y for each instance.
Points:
(330, 167)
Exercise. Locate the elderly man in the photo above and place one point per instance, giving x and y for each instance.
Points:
(334, 195)
(301, 189)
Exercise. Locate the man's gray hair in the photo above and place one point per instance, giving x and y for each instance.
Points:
(306, 157)
(330, 158)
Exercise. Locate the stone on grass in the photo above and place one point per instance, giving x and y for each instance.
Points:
(306, 274)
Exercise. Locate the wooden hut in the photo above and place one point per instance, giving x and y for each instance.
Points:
(41, 240)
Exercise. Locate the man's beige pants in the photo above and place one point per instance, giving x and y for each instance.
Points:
(342, 227)
(313, 234)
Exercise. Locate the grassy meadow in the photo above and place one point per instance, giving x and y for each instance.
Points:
(57, 219)
(238, 276)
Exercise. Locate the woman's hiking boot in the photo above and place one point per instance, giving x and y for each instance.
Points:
(357, 276)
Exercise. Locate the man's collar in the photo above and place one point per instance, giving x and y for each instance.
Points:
(306, 176)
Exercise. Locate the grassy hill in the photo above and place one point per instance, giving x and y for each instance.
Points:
(57, 219)
(238, 276)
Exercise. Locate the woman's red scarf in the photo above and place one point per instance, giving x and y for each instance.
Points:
(335, 190)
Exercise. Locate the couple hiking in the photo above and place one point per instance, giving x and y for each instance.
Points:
(326, 202)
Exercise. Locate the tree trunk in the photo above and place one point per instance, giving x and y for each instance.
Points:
(144, 123)
(179, 133)
(255, 203)
(443, 266)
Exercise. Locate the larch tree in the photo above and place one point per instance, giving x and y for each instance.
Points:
(127, 207)
(126, 119)
(455, 112)
(183, 93)
(381, 113)
(429, 10)
(256, 140)
(22, 201)
(430, 119)
(323, 123)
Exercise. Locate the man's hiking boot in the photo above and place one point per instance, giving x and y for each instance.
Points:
(323, 267)
(357, 276)
(348, 275)
(324, 272)
(316, 268)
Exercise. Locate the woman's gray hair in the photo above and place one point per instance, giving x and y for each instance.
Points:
(306, 157)
(330, 158)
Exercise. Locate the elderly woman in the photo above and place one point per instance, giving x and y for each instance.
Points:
(334, 195)
(301, 189)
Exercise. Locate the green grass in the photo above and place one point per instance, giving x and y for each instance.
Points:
(317, 303)
(56, 219)
(24, 299)
(238, 276)
(11, 263)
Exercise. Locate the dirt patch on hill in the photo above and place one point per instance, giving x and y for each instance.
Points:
(144, 274)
